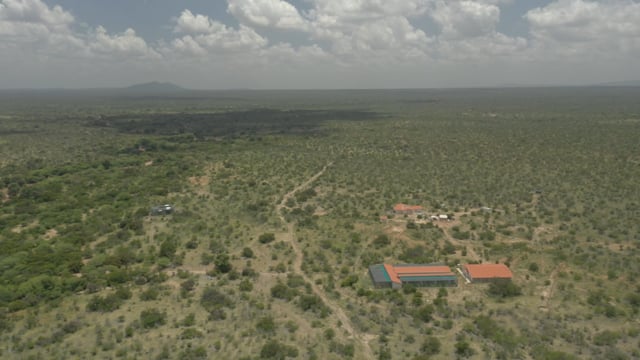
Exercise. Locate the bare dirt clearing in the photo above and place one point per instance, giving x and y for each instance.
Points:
(50, 234)
(199, 180)
(5, 195)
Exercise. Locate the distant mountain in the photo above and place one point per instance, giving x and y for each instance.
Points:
(154, 88)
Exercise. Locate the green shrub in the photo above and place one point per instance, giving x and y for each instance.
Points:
(490, 329)
(189, 320)
(247, 253)
(245, 285)
(222, 263)
(266, 325)
(344, 350)
(104, 304)
(213, 299)
(187, 285)
(123, 293)
(312, 303)
(504, 289)
(295, 281)
(283, 292)
(152, 318)
(449, 248)
(191, 333)
(430, 346)
(425, 313)
(197, 353)
(276, 350)
(463, 349)
(329, 334)
(606, 338)
(381, 240)
(266, 238)
(168, 249)
(151, 293)
(349, 281)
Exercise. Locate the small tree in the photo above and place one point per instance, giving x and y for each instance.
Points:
(463, 349)
(277, 350)
(431, 345)
(168, 249)
(245, 285)
(247, 253)
(222, 263)
(282, 291)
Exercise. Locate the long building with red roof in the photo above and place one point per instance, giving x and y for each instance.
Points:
(487, 272)
(421, 275)
(407, 209)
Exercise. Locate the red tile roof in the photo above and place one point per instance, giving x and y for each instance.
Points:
(419, 270)
(405, 207)
(488, 271)
(396, 272)
(392, 274)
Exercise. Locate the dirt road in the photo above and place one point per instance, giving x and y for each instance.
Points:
(336, 310)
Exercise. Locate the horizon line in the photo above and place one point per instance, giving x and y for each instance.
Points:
(185, 89)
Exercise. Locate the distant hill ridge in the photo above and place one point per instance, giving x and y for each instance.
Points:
(154, 87)
(622, 83)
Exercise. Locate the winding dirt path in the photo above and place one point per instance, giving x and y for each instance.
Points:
(297, 264)
(547, 293)
(336, 310)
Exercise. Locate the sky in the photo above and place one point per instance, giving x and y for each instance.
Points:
(317, 44)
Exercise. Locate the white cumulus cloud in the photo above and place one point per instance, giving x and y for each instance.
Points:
(326, 41)
(126, 45)
(369, 31)
(203, 36)
(268, 13)
(328, 11)
(465, 19)
(189, 23)
(35, 12)
(384, 40)
(188, 45)
(33, 27)
(25, 22)
(578, 28)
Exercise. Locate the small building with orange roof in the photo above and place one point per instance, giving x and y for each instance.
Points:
(487, 272)
(420, 275)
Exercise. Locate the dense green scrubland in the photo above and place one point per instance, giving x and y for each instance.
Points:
(278, 197)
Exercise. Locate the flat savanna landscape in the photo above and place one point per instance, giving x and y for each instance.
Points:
(281, 200)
